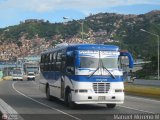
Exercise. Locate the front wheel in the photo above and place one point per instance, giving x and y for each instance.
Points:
(48, 93)
(111, 105)
(70, 103)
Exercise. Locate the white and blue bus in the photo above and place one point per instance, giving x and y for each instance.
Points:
(84, 74)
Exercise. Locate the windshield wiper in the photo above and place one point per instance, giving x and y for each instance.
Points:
(100, 64)
(94, 71)
(96, 68)
(107, 70)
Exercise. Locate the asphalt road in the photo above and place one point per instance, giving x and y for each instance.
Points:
(30, 103)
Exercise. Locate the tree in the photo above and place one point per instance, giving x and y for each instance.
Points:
(19, 44)
(148, 69)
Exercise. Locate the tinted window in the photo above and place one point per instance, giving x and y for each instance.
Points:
(58, 61)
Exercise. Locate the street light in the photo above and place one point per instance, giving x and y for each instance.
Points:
(82, 26)
(157, 46)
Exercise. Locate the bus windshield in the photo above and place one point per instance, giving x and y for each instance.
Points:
(110, 62)
(17, 72)
(88, 62)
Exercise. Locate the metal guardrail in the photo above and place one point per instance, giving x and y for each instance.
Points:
(147, 82)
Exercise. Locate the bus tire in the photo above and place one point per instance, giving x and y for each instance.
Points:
(70, 103)
(48, 96)
(111, 105)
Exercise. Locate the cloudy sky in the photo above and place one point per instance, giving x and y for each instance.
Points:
(14, 11)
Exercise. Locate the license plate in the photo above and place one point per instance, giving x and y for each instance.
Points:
(101, 98)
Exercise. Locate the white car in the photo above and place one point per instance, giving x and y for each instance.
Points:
(30, 76)
(17, 75)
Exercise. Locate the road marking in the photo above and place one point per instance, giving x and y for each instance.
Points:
(8, 112)
(13, 86)
(136, 109)
(146, 99)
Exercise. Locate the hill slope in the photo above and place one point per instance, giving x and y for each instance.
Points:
(33, 36)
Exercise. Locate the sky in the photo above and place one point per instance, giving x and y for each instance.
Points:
(14, 11)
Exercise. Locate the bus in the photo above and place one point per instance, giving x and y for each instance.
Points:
(84, 74)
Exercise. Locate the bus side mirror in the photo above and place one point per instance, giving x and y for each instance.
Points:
(131, 61)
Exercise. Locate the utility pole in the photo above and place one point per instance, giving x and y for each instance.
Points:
(82, 27)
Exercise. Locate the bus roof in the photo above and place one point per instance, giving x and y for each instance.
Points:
(94, 47)
(85, 47)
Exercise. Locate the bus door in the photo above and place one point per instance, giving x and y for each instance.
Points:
(59, 75)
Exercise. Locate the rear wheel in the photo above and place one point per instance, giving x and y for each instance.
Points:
(48, 93)
(111, 105)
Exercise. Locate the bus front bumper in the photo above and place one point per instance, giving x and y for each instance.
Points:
(84, 98)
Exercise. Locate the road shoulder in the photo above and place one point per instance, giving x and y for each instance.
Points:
(142, 90)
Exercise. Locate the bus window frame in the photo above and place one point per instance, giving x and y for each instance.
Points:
(70, 68)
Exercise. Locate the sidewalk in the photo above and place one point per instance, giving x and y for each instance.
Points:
(1, 79)
(142, 90)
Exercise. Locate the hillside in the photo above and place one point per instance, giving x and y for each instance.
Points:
(33, 36)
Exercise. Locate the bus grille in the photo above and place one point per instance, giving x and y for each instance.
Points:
(101, 87)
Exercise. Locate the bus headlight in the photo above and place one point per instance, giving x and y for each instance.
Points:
(118, 90)
(81, 91)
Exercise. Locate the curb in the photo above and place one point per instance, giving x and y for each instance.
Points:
(7, 78)
(143, 91)
(7, 112)
(1, 79)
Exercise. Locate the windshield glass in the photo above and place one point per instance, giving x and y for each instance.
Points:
(110, 62)
(30, 73)
(17, 72)
(88, 62)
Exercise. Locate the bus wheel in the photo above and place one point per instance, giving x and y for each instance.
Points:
(111, 105)
(71, 104)
(48, 93)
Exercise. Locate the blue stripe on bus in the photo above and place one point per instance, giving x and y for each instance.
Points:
(96, 78)
(81, 78)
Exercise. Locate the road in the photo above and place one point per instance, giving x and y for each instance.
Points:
(30, 103)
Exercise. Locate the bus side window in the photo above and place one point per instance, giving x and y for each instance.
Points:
(50, 62)
(63, 61)
(53, 61)
(58, 61)
(47, 62)
(42, 63)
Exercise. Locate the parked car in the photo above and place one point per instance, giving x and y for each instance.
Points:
(30, 76)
